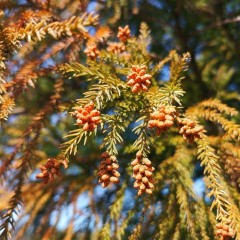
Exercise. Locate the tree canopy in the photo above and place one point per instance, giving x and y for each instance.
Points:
(119, 119)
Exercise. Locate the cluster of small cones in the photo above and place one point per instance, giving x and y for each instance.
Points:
(189, 129)
(142, 172)
(224, 231)
(162, 119)
(49, 170)
(92, 51)
(138, 78)
(108, 170)
(88, 117)
(119, 47)
(124, 33)
(116, 47)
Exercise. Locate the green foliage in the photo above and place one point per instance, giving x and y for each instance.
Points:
(72, 89)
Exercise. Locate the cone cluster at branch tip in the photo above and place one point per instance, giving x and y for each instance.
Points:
(107, 172)
(142, 172)
(138, 79)
(232, 167)
(88, 117)
(162, 119)
(116, 47)
(124, 33)
(49, 170)
(224, 231)
(92, 51)
(189, 129)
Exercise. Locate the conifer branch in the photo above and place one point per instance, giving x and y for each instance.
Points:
(116, 207)
(113, 83)
(167, 223)
(38, 31)
(70, 147)
(35, 126)
(172, 94)
(182, 198)
(114, 130)
(222, 201)
(202, 220)
(8, 219)
(219, 106)
(105, 232)
(144, 37)
(6, 107)
(178, 65)
(142, 142)
(232, 129)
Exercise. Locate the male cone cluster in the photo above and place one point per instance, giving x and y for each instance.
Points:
(224, 231)
(189, 129)
(138, 79)
(49, 170)
(88, 117)
(116, 47)
(142, 172)
(162, 119)
(92, 51)
(108, 170)
(124, 33)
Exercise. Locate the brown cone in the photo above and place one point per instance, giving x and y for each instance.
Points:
(162, 119)
(108, 170)
(142, 172)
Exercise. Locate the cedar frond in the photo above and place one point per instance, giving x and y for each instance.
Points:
(144, 36)
(6, 107)
(209, 160)
(182, 198)
(114, 129)
(202, 220)
(222, 201)
(219, 106)
(136, 232)
(142, 142)
(8, 44)
(28, 16)
(172, 94)
(232, 129)
(25, 76)
(178, 65)
(101, 93)
(105, 232)
(106, 89)
(116, 11)
(125, 223)
(177, 233)
(120, 59)
(154, 95)
(167, 223)
(33, 208)
(15, 202)
(35, 126)
(70, 147)
(38, 31)
(115, 208)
